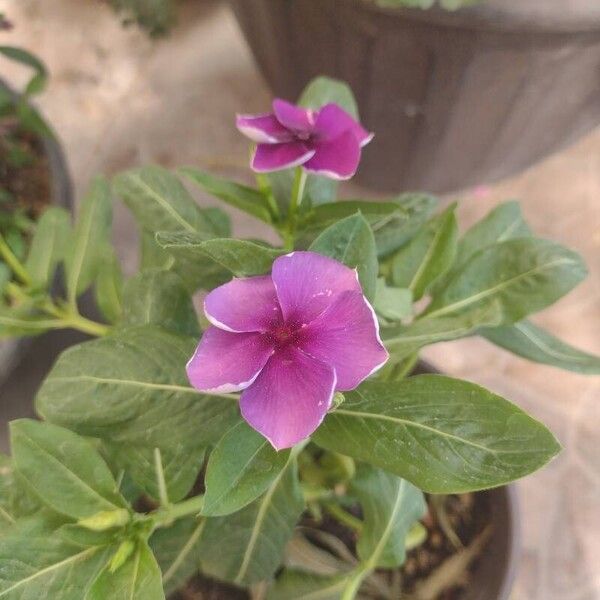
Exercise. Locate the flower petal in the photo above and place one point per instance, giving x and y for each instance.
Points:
(274, 157)
(336, 159)
(333, 120)
(249, 304)
(346, 336)
(264, 129)
(227, 362)
(301, 120)
(307, 283)
(289, 398)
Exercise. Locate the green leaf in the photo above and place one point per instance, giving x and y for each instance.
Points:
(504, 222)
(220, 223)
(351, 242)
(159, 201)
(240, 468)
(298, 585)
(64, 470)
(90, 237)
(109, 287)
(48, 246)
(38, 81)
(248, 546)
(394, 230)
(240, 257)
(243, 197)
(15, 501)
(177, 550)
(141, 395)
(181, 465)
(138, 579)
(441, 434)
(152, 256)
(536, 344)
(391, 302)
(428, 255)
(520, 276)
(158, 297)
(390, 506)
(404, 340)
(325, 90)
(37, 563)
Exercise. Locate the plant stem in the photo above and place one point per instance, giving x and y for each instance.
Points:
(407, 367)
(289, 233)
(160, 478)
(343, 516)
(354, 584)
(13, 262)
(165, 516)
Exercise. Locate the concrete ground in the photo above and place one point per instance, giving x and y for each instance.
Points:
(118, 100)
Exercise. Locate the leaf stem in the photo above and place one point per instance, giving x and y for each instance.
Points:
(160, 478)
(13, 262)
(289, 233)
(165, 516)
(343, 516)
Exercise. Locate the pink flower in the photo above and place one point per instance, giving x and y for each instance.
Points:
(327, 141)
(289, 340)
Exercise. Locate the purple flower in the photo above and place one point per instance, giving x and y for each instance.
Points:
(325, 141)
(289, 340)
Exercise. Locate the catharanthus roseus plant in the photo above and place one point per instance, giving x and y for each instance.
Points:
(175, 443)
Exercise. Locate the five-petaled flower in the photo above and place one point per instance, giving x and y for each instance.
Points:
(289, 340)
(327, 141)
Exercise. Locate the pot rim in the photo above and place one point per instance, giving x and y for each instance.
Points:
(495, 19)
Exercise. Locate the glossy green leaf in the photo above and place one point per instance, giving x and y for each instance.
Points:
(536, 344)
(90, 237)
(247, 546)
(63, 469)
(404, 340)
(138, 579)
(392, 303)
(326, 90)
(159, 201)
(15, 500)
(181, 464)
(241, 257)
(390, 506)
(428, 255)
(504, 222)
(298, 585)
(395, 230)
(158, 297)
(152, 256)
(243, 197)
(36, 563)
(131, 387)
(48, 246)
(240, 468)
(520, 277)
(441, 434)
(351, 242)
(109, 286)
(177, 550)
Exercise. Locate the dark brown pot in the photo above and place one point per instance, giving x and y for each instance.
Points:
(455, 99)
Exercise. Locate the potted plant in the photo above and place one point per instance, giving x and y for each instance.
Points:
(35, 191)
(458, 98)
(149, 468)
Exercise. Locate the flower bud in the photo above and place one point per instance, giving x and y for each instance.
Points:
(106, 519)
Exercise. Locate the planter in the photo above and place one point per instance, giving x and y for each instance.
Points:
(491, 575)
(11, 351)
(455, 99)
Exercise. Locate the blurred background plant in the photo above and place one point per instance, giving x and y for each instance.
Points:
(23, 172)
(425, 4)
(155, 16)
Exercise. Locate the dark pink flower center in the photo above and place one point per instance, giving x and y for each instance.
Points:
(284, 335)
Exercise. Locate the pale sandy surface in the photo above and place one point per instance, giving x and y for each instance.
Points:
(119, 100)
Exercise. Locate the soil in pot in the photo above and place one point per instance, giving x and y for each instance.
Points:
(458, 527)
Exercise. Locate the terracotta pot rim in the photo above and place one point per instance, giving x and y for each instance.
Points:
(484, 19)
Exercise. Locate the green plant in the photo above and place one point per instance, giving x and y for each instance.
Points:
(99, 498)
